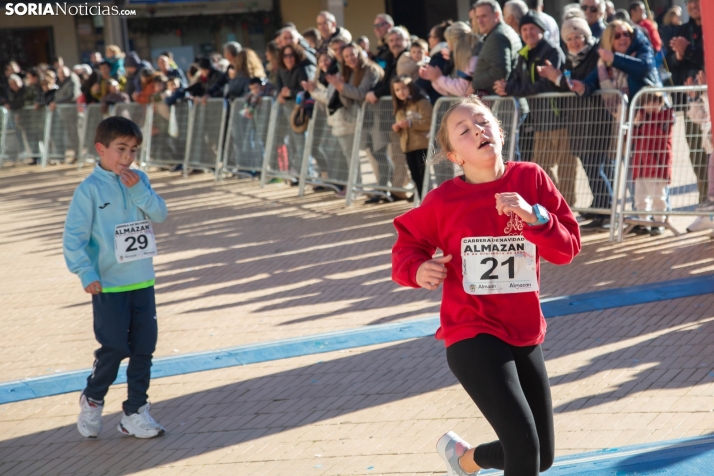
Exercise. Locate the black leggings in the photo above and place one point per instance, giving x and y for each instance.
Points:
(510, 386)
(415, 161)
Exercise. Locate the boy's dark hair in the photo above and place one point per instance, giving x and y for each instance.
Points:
(104, 63)
(257, 80)
(114, 127)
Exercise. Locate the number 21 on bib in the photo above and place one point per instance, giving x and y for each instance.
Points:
(133, 241)
(498, 265)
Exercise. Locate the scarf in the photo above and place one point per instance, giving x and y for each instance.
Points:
(612, 78)
(579, 57)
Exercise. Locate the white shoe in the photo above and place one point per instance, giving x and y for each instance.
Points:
(703, 222)
(140, 424)
(450, 447)
(89, 422)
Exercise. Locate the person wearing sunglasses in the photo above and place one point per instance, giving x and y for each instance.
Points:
(626, 63)
(594, 14)
(382, 24)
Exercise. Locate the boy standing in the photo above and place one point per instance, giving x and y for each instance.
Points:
(108, 242)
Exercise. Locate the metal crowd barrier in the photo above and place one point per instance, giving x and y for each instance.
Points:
(206, 131)
(167, 135)
(23, 134)
(61, 134)
(506, 110)
(668, 160)
(247, 135)
(383, 168)
(284, 147)
(4, 119)
(578, 142)
(92, 116)
(648, 162)
(329, 149)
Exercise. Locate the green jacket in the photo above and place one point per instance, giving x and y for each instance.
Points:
(497, 58)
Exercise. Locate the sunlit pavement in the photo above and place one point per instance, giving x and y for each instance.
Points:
(241, 265)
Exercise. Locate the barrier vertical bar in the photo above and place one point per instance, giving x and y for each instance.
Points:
(189, 139)
(621, 132)
(221, 138)
(354, 162)
(514, 128)
(46, 137)
(306, 154)
(3, 134)
(269, 141)
(146, 146)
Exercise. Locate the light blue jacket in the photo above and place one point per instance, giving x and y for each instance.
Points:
(100, 203)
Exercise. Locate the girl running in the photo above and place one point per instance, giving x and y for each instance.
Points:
(492, 223)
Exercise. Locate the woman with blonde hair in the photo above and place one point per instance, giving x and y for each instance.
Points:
(627, 63)
(461, 42)
(672, 22)
(115, 57)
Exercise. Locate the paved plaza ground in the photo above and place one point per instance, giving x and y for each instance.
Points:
(242, 265)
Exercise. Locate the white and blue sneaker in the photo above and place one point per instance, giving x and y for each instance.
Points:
(450, 447)
(89, 422)
(140, 424)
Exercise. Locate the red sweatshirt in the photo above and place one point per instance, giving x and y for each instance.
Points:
(501, 253)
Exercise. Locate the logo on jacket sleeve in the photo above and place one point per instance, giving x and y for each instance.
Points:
(104, 206)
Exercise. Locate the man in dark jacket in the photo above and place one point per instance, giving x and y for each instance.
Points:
(133, 66)
(383, 24)
(208, 78)
(685, 60)
(499, 53)
(551, 141)
(595, 15)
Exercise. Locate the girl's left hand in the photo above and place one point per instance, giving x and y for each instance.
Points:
(395, 127)
(511, 202)
(606, 55)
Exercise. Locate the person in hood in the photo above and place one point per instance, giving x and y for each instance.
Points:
(133, 66)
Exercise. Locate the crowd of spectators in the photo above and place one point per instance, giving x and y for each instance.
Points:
(518, 50)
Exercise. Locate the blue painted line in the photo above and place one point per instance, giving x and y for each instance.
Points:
(45, 386)
(685, 457)
(642, 294)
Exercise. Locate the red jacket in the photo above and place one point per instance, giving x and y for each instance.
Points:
(652, 33)
(652, 146)
(458, 210)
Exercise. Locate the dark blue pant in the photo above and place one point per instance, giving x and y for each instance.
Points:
(125, 326)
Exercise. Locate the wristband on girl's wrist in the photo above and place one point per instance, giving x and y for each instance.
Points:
(541, 214)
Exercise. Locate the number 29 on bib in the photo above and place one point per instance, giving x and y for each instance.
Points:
(133, 241)
(498, 265)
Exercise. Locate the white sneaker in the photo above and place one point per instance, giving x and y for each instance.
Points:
(450, 447)
(140, 424)
(703, 222)
(89, 422)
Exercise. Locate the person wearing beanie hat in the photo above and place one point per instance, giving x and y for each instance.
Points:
(532, 18)
(550, 144)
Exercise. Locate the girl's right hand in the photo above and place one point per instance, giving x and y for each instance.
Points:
(395, 127)
(432, 273)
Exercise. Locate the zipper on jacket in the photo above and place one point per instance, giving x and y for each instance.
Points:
(121, 189)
